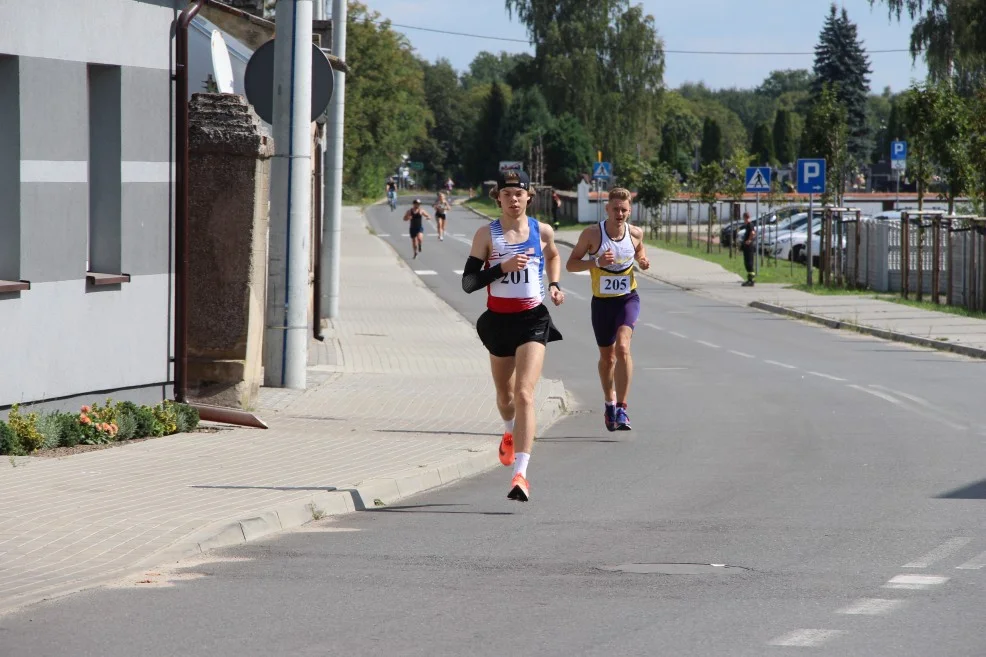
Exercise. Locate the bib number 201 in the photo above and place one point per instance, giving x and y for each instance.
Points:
(615, 284)
(516, 277)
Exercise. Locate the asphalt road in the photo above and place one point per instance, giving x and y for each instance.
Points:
(840, 476)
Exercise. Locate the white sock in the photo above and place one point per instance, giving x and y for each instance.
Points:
(508, 425)
(520, 464)
(610, 403)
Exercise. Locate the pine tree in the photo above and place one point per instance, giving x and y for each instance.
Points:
(670, 150)
(486, 153)
(842, 64)
(711, 149)
(784, 142)
(763, 144)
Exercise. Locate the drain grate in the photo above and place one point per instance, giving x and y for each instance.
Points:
(676, 569)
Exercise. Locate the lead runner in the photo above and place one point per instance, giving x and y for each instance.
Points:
(509, 257)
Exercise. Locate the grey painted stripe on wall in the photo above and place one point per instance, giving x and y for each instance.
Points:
(54, 171)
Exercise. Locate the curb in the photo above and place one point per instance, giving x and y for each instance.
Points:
(893, 336)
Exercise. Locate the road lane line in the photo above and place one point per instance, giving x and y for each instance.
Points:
(383, 234)
(931, 413)
(457, 272)
(708, 344)
(784, 365)
(806, 638)
(871, 607)
(828, 376)
(655, 327)
(740, 353)
(946, 549)
(915, 582)
(975, 563)
(426, 272)
(665, 369)
(678, 335)
(876, 393)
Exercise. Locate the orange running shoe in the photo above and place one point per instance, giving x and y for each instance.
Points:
(507, 448)
(520, 490)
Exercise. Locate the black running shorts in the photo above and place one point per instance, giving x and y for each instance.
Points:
(502, 333)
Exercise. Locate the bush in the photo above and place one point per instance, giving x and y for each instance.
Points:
(127, 418)
(9, 442)
(71, 433)
(188, 417)
(50, 426)
(25, 426)
(167, 417)
(145, 422)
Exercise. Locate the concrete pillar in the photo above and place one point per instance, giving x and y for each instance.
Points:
(228, 181)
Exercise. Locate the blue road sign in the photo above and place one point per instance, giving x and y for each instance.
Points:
(758, 179)
(603, 170)
(811, 176)
(898, 150)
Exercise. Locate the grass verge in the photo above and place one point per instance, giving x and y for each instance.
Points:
(771, 271)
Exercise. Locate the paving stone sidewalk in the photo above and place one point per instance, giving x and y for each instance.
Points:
(399, 401)
(884, 319)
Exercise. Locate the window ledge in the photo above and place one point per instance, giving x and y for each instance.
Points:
(14, 286)
(96, 278)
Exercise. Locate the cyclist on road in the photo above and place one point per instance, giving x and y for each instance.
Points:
(613, 245)
(510, 257)
(392, 194)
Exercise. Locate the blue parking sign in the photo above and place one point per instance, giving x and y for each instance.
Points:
(811, 176)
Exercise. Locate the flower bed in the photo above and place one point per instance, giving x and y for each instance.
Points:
(27, 433)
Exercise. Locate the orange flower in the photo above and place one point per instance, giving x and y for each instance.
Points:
(105, 427)
(84, 419)
(86, 409)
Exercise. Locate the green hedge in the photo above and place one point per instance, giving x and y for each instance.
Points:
(24, 433)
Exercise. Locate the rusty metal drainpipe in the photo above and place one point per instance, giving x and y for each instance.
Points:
(208, 413)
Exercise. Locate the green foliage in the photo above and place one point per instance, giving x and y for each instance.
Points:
(826, 135)
(50, 426)
(10, 444)
(977, 147)
(763, 145)
(486, 152)
(841, 65)
(734, 183)
(487, 67)
(785, 145)
(71, 433)
(711, 149)
(778, 83)
(386, 110)
(657, 186)
(25, 426)
(443, 150)
(950, 135)
(147, 424)
(525, 124)
(708, 182)
(567, 152)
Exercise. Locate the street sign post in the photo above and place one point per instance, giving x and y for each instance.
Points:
(758, 180)
(811, 181)
(898, 162)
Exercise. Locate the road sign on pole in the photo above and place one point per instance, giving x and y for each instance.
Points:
(602, 170)
(811, 176)
(898, 155)
(758, 179)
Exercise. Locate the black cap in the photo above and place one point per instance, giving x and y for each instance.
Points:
(418, 201)
(513, 178)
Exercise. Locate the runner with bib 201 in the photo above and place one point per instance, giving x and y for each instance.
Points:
(613, 245)
(510, 257)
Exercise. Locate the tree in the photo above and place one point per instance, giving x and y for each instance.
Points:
(708, 182)
(658, 185)
(486, 152)
(977, 148)
(842, 65)
(785, 148)
(386, 109)
(826, 136)
(950, 134)
(524, 127)
(779, 83)
(487, 67)
(446, 100)
(763, 144)
(711, 149)
(567, 152)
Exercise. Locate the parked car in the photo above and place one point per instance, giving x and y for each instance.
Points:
(784, 229)
(767, 219)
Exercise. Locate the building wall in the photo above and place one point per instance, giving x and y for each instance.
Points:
(90, 179)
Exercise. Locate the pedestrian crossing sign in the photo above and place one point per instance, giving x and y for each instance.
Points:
(602, 170)
(758, 179)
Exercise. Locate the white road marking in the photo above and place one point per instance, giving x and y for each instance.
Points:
(708, 344)
(655, 327)
(457, 234)
(915, 582)
(975, 563)
(681, 312)
(678, 335)
(876, 393)
(871, 607)
(784, 365)
(457, 272)
(740, 353)
(665, 369)
(426, 272)
(827, 376)
(806, 638)
(931, 412)
(457, 238)
(946, 549)
(383, 234)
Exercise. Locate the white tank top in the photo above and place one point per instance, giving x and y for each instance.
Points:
(617, 279)
(519, 290)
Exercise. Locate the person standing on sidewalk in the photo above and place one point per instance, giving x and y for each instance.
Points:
(613, 245)
(416, 229)
(509, 257)
(748, 242)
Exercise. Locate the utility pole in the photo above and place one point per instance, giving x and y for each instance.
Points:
(286, 335)
(332, 208)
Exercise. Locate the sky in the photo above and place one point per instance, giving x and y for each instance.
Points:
(787, 26)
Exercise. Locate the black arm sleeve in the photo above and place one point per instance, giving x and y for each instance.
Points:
(474, 277)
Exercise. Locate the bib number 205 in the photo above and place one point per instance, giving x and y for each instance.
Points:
(516, 277)
(614, 284)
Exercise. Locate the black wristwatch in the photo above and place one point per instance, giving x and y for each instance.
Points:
(555, 285)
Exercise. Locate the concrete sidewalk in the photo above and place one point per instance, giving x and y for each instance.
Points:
(399, 401)
(862, 313)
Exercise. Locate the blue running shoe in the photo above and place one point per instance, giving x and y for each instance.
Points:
(622, 420)
(610, 417)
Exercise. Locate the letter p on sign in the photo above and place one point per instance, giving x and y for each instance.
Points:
(811, 176)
